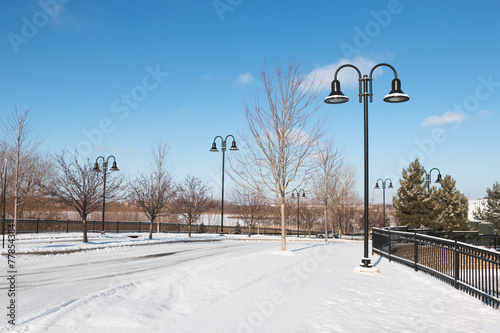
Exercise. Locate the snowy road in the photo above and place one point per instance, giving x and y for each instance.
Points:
(234, 286)
(64, 278)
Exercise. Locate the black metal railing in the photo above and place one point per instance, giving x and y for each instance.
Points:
(44, 226)
(469, 268)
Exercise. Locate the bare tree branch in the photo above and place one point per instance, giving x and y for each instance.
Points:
(153, 191)
(21, 145)
(327, 178)
(282, 135)
(76, 185)
(192, 200)
(251, 208)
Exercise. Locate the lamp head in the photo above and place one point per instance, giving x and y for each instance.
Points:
(390, 185)
(214, 147)
(96, 167)
(377, 187)
(439, 179)
(336, 96)
(396, 95)
(303, 194)
(233, 146)
(114, 167)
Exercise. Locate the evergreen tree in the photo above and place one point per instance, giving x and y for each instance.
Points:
(413, 205)
(491, 213)
(452, 207)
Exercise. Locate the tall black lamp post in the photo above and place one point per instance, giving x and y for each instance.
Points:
(384, 182)
(365, 90)
(105, 162)
(298, 206)
(428, 178)
(223, 148)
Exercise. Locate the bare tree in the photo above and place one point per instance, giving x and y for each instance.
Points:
(310, 216)
(376, 214)
(282, 135)
(251, 208)
(345, 207)
(153, 191)
(330, 160)
(21, 145)
(76, 185)
(192, 200)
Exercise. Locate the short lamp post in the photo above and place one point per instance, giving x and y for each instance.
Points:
(384, 182)
(223, 148)
(298, 206)
(428, 178)
(105, 162)
(396, 95)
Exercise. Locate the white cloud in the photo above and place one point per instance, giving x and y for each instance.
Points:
(322, 77)
(484, 113)
(63, 17)
(447, 118)
(245, 78)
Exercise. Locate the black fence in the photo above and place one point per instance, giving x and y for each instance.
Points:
(43, 226)
(469, 237)
(469, 268)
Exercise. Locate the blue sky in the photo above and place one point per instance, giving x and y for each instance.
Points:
(117, 77)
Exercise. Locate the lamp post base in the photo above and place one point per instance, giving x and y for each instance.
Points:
(366, 262)
(366, 267)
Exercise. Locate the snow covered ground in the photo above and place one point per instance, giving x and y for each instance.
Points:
(116, 284)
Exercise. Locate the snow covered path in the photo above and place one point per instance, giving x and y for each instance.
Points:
(235, 286)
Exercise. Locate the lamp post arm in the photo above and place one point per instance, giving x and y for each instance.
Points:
(107, 160)
(371, 73)
(347, 65)
(386, 65)
(359, 77)
(218, 136)
(434, 169)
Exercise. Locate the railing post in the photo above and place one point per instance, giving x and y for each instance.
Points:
(117, 226)
(93, 227)
(390, 243)
(67, 226)
(37, 220)
(457, 264)
(415, 255)
(139, 226)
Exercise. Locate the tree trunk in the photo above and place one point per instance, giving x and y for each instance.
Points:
(326, 225)
(283, 228)
(151, 223)
(15, 214)
(189, 229)
(84, 226)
